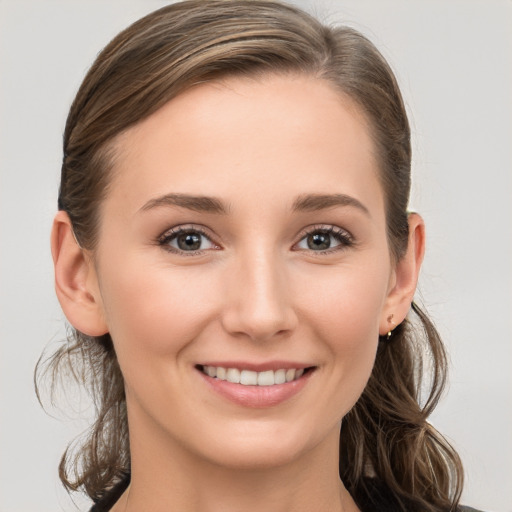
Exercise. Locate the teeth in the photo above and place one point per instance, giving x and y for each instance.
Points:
(250, 378)
(266, 378)
(280, 377)
(290, 375)
(233, 375)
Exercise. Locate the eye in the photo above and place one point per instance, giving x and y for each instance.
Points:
(325, 239)
(191, 240)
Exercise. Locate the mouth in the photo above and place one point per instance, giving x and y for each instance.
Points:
(247, 377)
(256, 385)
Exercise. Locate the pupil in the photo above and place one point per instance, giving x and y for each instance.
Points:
(189, 241)
(319, 241)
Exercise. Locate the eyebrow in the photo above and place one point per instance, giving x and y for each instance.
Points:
(314, 202)
(205, 204)
(202, 204)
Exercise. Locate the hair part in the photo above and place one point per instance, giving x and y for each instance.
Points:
(386, 434)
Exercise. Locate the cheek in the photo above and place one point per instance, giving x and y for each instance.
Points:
(156, 311)
(347, 302)
(345, 314)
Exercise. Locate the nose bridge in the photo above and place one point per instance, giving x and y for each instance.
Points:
(259, 302)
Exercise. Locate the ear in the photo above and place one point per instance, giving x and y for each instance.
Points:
(404, 278)
(76, 281)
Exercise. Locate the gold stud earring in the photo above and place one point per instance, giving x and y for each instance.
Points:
(390, 321)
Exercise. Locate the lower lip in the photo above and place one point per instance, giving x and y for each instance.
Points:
(257, 397)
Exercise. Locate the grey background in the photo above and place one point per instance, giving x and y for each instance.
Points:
(453, 61)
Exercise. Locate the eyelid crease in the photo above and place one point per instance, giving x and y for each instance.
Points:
(188, 226)
(326, 228)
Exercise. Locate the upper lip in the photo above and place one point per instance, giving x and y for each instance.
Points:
(258, 367)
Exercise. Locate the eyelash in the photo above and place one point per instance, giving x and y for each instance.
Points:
(173, 234)
(342, 236)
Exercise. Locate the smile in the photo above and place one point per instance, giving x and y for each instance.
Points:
(256, 385)
(252, 378)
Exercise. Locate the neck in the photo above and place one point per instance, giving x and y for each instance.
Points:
(165, 476)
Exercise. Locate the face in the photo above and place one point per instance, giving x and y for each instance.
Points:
(244, 236)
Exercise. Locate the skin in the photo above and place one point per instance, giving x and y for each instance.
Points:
(255, 292)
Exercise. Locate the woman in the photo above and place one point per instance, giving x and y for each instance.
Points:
(234, 253)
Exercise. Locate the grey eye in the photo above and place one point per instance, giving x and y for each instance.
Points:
(189, 240)
(319, 241)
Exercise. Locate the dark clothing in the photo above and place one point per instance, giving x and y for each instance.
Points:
(109, 500)
(377, 500)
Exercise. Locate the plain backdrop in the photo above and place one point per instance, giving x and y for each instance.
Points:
(453, 61)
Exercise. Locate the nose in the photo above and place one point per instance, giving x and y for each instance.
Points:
(258, 303)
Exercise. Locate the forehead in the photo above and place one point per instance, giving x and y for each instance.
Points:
(291, 134)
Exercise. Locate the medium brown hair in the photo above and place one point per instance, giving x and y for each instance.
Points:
(386, 434)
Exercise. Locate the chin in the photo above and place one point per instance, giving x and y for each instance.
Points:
(255, 457)
(260, 448)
